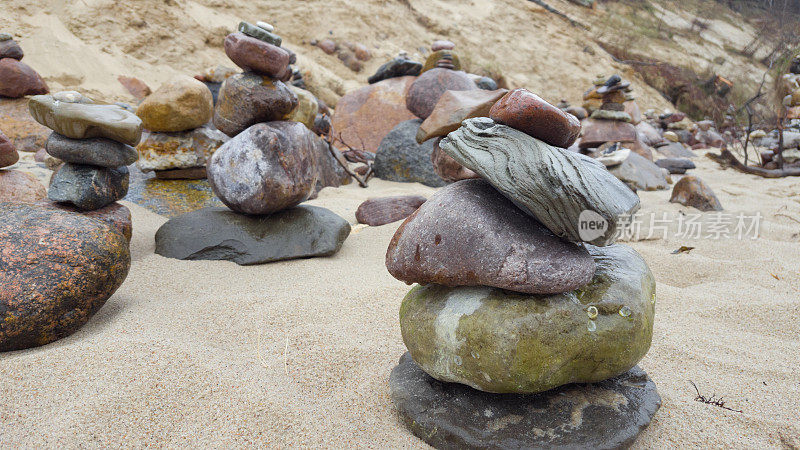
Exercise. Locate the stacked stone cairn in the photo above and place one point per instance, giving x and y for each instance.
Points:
(272, 163)
(180, 140)
(17, 79)
(521, 290)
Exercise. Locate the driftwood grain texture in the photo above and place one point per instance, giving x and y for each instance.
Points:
(551, 184)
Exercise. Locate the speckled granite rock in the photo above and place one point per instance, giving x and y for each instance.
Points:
(182, 150)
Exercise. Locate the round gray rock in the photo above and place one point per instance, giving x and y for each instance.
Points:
(605, 415)
(96, 151)
(221, 234)
(401, 158)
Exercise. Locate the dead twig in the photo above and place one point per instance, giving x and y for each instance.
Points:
(727, 159)
(337, 155)
(718, 402)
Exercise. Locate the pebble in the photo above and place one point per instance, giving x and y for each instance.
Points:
(246, 99)
(10, 49)
(8, 152)
(84, 121)
(529, 113)
(693, 191)
(265, 26)
(262, 34)
(88, 187)
(181, 104)
(254, 55)
(380, 211)
(95, 151)
(676, 165)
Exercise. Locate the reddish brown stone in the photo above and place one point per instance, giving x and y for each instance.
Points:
(192, 173)
(364, 117)
(380, 211)
(632, 108)
(429, 87)
(327, 46)
(448, 168)
(16, 186)
(442, 45)
(694, 192)
(254, 55)
(248, 98)
(529, 113)
(598, 132)
(136, 87)
(56, 270)
(453, 108)
(115, 214)
(362, 52)
(17, 79)
(8, 153)
(10, 49)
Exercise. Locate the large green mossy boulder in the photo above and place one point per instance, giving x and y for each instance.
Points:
(505, 342)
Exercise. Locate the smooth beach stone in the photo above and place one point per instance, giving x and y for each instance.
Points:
(221, 234)
(529, 113)
(638, 173)
(254, 55)
(18, 186)
(442, 45)
(17, 79)
(265, 26)
(72, 97)
(365, 116)
(260, 33)
(426, 90)
(266, 168)
(563, 190)
(88, 187)
(380, 211)
(95, 151)
(676, 165)
(8, 152)
(84, 121)
(433, 60)
(504, 342)
(401, 158)
(448, 168)
(306, 110)
(499, 246)
(453, 108)
(56, 270)
(486, 83)
(675, 150)
(114, 214)
(247, 98)
(397, 67)
(598, 132)
(605, 415)
(182, 150)
(178, 105)
(10, 49)
(632, 108)
(328, 46)
(579, 112)
(604, 114)
(693, 191)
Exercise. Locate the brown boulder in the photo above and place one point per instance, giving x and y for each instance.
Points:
(56, 270)
(428, 88)
(16, 186)
(448, 168)
(694, 192)
(364, 117)
(255, 55)
(179, 105)
(380, 211)
(453, 108)
(529, 113)
(17, 79)
(247, 98)
(598, 132)
(469, 234)
(8, 153)
(114, 214)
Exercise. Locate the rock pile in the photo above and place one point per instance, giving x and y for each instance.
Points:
(179, 142)
(522, 291)
(96, 144)
(17, 79)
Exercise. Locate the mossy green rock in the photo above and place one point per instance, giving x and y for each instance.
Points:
(499, 341)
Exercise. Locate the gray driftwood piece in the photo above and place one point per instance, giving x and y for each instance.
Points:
(553, 185)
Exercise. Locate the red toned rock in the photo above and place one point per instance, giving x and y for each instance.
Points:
(598, 132)
(8, 153)
(362, 52)
(453, 108)
(254, 55)
(442, 45)
(632, 108)
(469, 234)
(380, 211)
(17, 79)
(136, 87)
(529, 113)
(426, 90)
(448, 168)
(368, 114)
(115, 214)
(327, 46)
(10, 49)
(246, 99)
(57, 269)
(694, 192)
(16, 186)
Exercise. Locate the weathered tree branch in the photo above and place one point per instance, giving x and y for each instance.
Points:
(727, 159)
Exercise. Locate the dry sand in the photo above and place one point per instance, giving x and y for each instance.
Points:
(298, 353)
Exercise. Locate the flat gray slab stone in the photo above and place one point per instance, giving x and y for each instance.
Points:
(604, 415)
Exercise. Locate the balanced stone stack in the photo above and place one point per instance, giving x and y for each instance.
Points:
(522, 291)
(17, 79)
(610, 118)
(96, 144)
(179, 142)
(790, 85)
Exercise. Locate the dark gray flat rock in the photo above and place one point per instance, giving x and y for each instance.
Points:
(221, 234)
(604, 415)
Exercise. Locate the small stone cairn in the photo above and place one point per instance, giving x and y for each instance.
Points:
(522, 291)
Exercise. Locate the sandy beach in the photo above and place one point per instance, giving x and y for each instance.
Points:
(298, 353)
